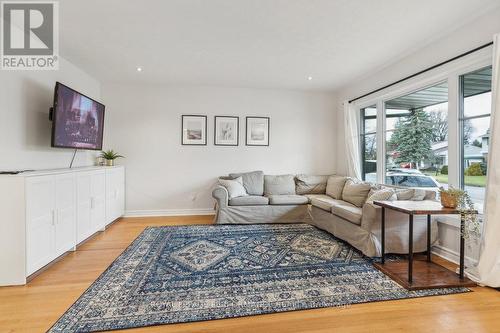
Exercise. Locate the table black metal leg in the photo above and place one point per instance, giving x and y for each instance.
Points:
(410, 249)
(429, 237)
(383, 235)
(462, 247)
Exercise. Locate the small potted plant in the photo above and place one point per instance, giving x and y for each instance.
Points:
(459, 199)
(110, 156)
(450, 197)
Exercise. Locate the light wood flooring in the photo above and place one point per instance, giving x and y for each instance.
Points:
(36, 306)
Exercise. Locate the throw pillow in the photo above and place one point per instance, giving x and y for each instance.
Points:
(414, 194)
(405, 194)
(253, 181)
(310, 184)
(279, 185)
(335, 186)
(381, 195)
(234, 187)
(418, 195)
(356, 193)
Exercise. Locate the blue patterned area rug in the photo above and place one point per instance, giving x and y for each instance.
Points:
(192, 273)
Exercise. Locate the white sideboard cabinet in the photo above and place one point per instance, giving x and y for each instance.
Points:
(44, 214)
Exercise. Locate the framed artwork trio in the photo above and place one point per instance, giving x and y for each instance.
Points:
(226, 130)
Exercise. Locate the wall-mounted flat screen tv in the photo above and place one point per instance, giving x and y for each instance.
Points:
(77, 120)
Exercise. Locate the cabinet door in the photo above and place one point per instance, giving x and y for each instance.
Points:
(65, 224)
(83, 199)
(40, 221)
(115, 194)
(98, 201)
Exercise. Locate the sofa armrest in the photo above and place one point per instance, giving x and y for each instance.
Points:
(371, 214)
(220, 194)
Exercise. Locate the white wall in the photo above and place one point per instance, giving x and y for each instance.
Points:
(470, 36)
(25, 129)
(164, 177)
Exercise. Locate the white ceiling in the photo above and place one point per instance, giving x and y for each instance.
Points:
(251, 43)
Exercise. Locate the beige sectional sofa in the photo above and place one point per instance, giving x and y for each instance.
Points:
(339, 205)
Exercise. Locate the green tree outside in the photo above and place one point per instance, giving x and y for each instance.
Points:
(412, 138)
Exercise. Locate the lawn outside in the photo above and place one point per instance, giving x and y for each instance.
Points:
(479, 181)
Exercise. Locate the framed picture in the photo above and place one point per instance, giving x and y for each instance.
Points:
(257, 131)
(226, 131)
(194, 130)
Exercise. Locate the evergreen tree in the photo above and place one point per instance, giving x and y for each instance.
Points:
(412, 138)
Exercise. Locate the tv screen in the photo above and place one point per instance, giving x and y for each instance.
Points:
(77, 120)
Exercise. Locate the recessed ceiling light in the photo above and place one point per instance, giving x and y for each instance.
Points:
(139, 69)
(309, 78)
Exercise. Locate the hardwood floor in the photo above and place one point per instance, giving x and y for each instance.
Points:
(36, 306)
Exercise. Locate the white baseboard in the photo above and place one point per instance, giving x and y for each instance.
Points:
(451, 255)
(169, 212)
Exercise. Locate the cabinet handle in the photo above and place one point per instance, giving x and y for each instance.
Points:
(53, 217)
(92, 203)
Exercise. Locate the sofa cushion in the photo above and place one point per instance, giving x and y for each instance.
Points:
(252, 181)
(335, 185)
(249, 200)
(310, 184)
(279, 185)
(234, 187)
(348, 212)
(356, 193)
(290, 199)
(325, 202)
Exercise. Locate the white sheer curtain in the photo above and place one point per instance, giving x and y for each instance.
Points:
(488, 269)
(351, 127)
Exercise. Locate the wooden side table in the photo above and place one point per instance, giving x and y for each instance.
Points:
(427, 273)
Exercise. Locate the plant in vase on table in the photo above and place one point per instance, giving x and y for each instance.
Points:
(460, 199)
(110, 156)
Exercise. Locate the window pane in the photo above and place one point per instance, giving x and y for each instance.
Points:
(371, 111)
(369, 143)
(477, 105)
(391, 112)
(475, 157)
(476, 92)
(390, 123)
(370, 125)
(417, 138)
(476, 88)
(370, 157)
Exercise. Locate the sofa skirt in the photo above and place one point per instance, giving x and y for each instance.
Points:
(368, 241)
(263, 214)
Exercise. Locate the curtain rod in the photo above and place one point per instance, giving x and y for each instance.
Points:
(423, 71)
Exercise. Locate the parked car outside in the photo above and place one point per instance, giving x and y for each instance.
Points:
(405, 170)
(413, 180)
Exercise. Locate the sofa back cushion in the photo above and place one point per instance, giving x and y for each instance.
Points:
(310, 184)
(234, 187)
(356, 193)
(335, 186)
(252, 181)
(279, 185)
